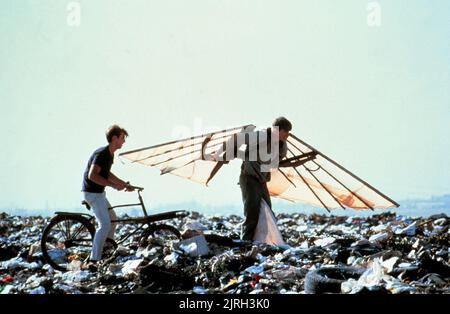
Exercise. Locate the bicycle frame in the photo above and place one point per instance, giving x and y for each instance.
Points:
(141, 203)
(146, 220)
(140, 220)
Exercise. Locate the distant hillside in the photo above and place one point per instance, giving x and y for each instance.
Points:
(422, 207)
(408, 207)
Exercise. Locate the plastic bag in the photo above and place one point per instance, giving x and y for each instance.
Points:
(267, 229)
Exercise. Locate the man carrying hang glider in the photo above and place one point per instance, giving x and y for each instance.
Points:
(265, 150)
(296, 172)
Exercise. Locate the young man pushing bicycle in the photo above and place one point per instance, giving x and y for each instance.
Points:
(96, 177)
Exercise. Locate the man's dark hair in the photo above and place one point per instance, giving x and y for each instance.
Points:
(282, 123)
(115, 130)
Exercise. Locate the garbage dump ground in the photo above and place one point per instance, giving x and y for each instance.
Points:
(392, 254)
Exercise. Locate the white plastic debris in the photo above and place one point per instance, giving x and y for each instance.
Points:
(404, 265)
(195, 246)
(8, 289)
(373, 276)
(74, 265)
(350, 286)
(195, 225)
(115, 269)
(302, 228)
(11, 264)
(409, 230)
(412, 254)
(324, 241)
(33, 282)
(171, 259)
(440, 222)
(351, 260)
(34, 249)
(279, 257)
(438, 229)
(304, 245)
(189, 249)
(33, 265)
(379, 237)
(38, 290)
(130, 267)
(147, 252)
(255, 269)
(416, 244)
(228, 225)
(378, 228)
(199, 290)
(261, 258)
(123, 259)
(390, 263)
(360, 242)
(18, 262)
(76, 276)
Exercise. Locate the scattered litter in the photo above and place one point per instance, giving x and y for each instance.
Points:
(391, 253)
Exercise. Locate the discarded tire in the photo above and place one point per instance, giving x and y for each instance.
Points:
(328, 280)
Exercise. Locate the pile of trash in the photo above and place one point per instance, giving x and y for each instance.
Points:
(388, 253)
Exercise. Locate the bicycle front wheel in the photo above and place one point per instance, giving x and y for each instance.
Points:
(160, 234)
(67, 238)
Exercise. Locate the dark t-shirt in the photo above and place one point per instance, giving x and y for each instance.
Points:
(104, 159)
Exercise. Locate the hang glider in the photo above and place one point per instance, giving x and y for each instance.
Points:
(323, 182)
(320, 181)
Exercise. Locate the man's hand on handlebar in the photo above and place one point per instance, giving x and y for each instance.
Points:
(129, 187)
(126, 186)
(120, 186)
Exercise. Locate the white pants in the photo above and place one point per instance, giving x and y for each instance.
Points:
(106, 229)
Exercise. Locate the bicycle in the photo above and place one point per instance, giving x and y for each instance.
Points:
(69, 236)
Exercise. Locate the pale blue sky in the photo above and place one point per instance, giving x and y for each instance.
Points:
(375, 99)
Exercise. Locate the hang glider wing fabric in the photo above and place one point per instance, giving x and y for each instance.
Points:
(184, 158)
(320, 182)
(324, 183)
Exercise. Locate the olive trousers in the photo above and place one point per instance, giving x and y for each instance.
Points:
(253, 191)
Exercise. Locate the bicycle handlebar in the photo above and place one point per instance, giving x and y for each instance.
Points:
(136, 187)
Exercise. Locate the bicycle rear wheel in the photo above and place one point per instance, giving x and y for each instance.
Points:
(65, 239)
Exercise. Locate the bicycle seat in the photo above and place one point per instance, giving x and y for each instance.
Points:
(86, 204)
